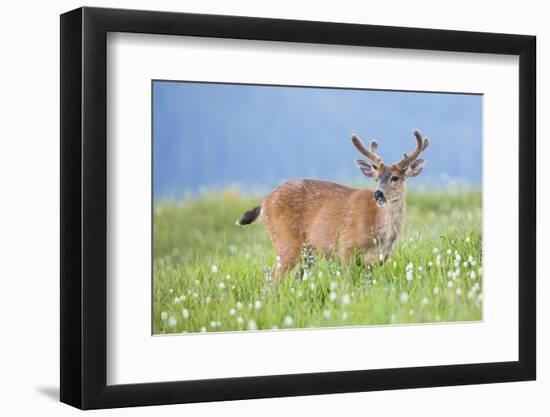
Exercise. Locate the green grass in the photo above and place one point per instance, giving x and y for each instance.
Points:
(210, 275)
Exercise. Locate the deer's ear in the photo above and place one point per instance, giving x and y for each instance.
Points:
(366, 168)
(415, 168)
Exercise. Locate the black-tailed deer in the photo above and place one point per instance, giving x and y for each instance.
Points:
(334, 219)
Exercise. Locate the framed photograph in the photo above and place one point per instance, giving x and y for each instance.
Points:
(256, 208)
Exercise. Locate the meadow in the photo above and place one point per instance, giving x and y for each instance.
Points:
(210, 275)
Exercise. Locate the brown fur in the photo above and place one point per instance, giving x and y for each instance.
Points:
(332, 219)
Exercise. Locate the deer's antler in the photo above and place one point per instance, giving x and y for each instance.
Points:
(369, 153)
(421, 144)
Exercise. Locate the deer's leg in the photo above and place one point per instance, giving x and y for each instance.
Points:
(288, 256)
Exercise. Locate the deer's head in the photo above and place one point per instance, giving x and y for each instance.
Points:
(391, 178)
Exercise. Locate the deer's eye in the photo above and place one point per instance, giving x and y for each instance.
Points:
(394, 178)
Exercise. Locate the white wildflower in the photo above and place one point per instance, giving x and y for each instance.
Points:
(381, 257)
(257, 305)
(228, 277)
(424, 301)
(436, 290)
(338, 273)
(304, 276)
(240, 320)
(333, 285)
(207, 299)
(438, 260)
(252, 325)
(449, 251)
(312, 286)
(467, 239)
(214, 269)
(221, 286)
(232, 312)
(430, 264)
(288, 321)
(458, 291)
(435, 250)
(213, 324)
(409, 276)
(450, 284)
(409, 266)
(164, 315)
(203, 329)
(332, 296)
(239, 305)
(185, 313)
(404, 297)
(326, 314)
(472, 275)
(346, 299)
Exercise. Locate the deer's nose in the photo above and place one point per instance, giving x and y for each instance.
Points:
(378, 195)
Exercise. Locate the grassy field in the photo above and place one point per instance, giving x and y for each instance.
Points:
(211, 275)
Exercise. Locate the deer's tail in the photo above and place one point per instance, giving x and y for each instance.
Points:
(250, 216)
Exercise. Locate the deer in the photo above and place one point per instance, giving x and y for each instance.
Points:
(337, 220)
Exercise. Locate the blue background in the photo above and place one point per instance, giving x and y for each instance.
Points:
(217, 135)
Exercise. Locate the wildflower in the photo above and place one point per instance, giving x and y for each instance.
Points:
(438, 260)
(458, 291)
(467, 239)
(252, 325)
(449, 251)
(472, 275)
(171, 290)
(381, 257)
(373, 282)
(203, 329)
(300, 293)
(404, 297)
(221, 286)
(435, 250)
(232, 312)
(185, 313)
(337, 273)
(436, 290)
(480, 297)
(312, 286)
(288, 321)
(213, 324)
(195, 295)
(228, 277)
(395, 264)
(375, 241)
(164, 315)
(240, 320)
(239, 305)
(430, 264)
(409, 266)
(207, 299)
(257, 305)
(480, 271)
(409, 275)
(411, 312)
(450, 284)
(419, 267)
(214, 269)
(320, 274)
(332, 296)
(326, 314)
(333, 285)
(424, 301)
(344, 315)
(346, 299)
(304, 276)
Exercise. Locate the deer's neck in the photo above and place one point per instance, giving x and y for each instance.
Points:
(393, 222)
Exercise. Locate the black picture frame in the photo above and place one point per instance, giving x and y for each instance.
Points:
(84, 207)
